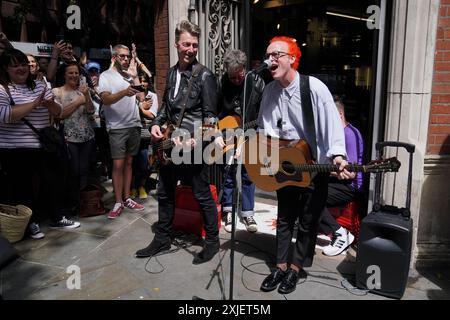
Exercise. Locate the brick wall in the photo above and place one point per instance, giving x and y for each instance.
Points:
(161, 30)
(439, 130)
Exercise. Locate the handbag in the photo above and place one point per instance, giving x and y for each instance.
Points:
(91, 203)
(49, 137)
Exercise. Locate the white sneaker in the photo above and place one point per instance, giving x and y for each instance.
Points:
(65, 223)
(228, 222)
(35, 231)
(250, 224)
(339, 242)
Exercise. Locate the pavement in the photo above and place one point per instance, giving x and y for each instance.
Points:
(103, 250)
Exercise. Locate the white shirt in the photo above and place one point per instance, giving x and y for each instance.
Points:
(124, 113)
(154, 107)
(281, 116)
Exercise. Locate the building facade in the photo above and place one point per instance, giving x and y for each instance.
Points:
(409, 97)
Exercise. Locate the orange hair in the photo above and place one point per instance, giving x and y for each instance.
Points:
(293, 48)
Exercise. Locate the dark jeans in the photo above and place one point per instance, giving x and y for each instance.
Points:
(104, 152)
(140, 165)
(339, 194)
(80, 157)
(196, 176)
(306, 205)
(29, 177)
(248, 192)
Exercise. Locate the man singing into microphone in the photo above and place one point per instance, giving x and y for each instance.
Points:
(285, 114)
(231, 102)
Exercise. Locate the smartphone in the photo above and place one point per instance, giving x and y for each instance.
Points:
(59, 37)
(139, 88)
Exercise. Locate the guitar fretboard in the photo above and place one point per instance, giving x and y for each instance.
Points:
(323, 168)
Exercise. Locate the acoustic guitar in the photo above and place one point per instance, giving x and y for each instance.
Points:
(294, 165)
(231, 140)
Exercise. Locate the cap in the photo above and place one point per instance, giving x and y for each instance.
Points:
(93, 65)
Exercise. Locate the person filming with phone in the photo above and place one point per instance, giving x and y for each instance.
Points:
(122, 123)
(62, 54)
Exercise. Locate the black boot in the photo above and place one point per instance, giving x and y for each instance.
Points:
(152, 249)
(208, 252)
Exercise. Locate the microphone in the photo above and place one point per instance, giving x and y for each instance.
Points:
(265, 65)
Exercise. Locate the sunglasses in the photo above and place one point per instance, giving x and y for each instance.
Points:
(123, 56)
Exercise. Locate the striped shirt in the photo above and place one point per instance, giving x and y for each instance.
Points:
(18, 134)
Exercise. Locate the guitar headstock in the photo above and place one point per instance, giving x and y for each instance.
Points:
(383, 165)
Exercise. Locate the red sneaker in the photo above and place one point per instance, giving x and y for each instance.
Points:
(116, 211)
(133, 205)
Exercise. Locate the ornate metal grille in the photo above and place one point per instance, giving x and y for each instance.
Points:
(219, 21)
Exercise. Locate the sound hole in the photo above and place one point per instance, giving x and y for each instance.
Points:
(288, 167)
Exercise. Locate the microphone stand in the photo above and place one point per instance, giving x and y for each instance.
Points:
(236, 167)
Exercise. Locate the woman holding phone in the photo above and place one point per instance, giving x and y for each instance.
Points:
(75, 98)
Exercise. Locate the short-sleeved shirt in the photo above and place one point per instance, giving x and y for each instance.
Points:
(125, 112)
(18, 134)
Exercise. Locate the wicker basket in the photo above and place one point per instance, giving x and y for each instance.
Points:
(14, 221)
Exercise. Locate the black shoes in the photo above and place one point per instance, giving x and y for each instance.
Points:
(273, 280)
(286, 279)
(208, 252)
(152, 249)
(289, 282)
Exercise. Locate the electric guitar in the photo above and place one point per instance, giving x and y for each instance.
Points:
(294, 166)
(161, 150)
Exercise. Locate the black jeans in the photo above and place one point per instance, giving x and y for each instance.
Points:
(306, 204)
(80, 157)
(196, 176)
(29, 177)
(339, 194)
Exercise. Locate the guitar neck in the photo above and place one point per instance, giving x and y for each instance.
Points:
(325, 168)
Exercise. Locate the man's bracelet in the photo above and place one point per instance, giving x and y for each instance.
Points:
(339, 155)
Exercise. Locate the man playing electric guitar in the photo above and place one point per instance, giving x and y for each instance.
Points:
(230, 103)
(190, 97)
(288, 114)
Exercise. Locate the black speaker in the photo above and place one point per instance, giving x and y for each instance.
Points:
(384, 247)
(385, 241)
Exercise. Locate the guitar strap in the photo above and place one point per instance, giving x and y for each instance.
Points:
(308, 114)
(195, 72)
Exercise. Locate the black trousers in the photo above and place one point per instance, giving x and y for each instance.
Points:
(339, 194)
(306, 205)
(196, 176)
(30, 177)
(78, 169)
